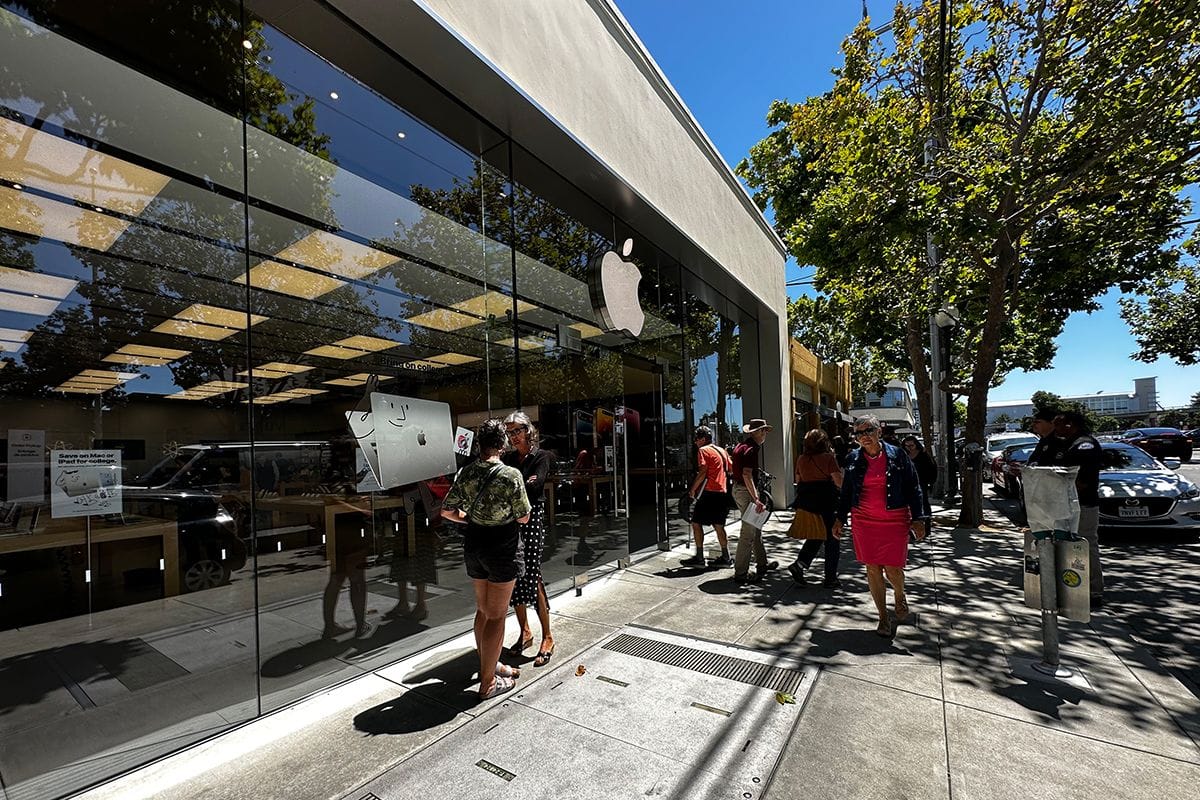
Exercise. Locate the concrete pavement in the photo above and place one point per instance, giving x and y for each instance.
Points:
(679, 697)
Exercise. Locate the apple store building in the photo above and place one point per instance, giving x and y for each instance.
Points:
(265, 267)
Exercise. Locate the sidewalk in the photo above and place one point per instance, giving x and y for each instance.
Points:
(678, 699)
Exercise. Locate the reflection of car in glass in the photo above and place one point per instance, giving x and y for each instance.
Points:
(187, 490)
(1006, 468)
(1137, 491)
(996, 444)
(1160, 442)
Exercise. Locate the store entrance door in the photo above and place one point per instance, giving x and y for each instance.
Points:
(640, 423)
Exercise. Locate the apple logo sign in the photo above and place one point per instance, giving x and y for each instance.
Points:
(421, 438)
(613, 283)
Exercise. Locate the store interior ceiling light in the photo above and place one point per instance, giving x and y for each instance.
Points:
(453, 359)
(39, 216)
(526, 342)
(44, 161)
(338, 256)
(352, 347)
(146, 356)
(283, 279)
(469, 312)
(27, 304)
(15, 335)
(587, 331)
(199, 321)
(26, 281)
(276, 369)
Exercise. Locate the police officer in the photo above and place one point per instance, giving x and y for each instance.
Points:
(1078, 448)
(1048, 443)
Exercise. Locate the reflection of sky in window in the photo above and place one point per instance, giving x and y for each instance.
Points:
(368, 122)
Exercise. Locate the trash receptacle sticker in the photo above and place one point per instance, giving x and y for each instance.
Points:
(1071, 578)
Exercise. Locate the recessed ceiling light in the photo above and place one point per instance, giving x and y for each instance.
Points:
(98, 208)
(333, 95)
(401, 134)
(280, 278)
(246, 43)
(333, 254)
(18, 186)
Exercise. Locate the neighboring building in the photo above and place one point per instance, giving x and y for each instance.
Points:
(820, 391)
(893, 406)
(246, 242)
(1141, 403)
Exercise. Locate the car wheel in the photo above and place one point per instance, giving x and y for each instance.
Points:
(1187, 456)
(206, 573)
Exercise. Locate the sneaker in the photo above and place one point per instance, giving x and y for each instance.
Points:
(797, 573)
(723, 561)
(770, 567)
(364, 631)
(693, 561)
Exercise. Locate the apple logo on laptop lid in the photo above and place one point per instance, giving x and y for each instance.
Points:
(613, 284)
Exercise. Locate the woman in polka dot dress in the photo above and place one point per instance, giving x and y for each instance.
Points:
(530, 590)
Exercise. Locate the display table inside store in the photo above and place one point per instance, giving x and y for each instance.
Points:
(328, 507)
(72, 532)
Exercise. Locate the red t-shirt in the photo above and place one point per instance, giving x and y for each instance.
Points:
(713, 460)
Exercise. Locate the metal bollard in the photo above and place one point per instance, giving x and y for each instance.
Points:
(1048, 580)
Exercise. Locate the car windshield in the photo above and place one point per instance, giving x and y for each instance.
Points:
(1125, 457)
(1020, 454)
(996, 444)
(1152, 432)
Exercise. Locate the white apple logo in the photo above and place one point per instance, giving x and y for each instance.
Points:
(614, 289)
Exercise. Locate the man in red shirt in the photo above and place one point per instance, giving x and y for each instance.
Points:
(745, 492)
(708, 492)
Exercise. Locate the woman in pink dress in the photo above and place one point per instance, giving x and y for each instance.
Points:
(882, 492)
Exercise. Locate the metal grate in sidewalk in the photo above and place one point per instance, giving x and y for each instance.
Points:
(779, 679)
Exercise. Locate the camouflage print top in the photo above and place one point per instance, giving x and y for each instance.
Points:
(503, 500)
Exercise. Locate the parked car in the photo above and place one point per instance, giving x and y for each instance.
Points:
(1137, 491)
(1160, 442)
(1006, 468)
(1194, 437)
(996, 444)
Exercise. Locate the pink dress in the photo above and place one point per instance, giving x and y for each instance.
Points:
(880, 533)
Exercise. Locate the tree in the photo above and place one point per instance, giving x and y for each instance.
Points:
(1196, 400)
(1167, 321)
(1048, 175)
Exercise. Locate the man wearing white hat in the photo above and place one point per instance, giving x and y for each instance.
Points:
(745, 491)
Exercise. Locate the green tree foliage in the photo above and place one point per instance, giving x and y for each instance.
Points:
(1071, 126)
(1167, 321)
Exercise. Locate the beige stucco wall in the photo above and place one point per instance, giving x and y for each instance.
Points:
(575, 59)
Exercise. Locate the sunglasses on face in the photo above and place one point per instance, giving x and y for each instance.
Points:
(864, 432)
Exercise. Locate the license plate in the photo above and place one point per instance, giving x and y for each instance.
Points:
(1133, 511)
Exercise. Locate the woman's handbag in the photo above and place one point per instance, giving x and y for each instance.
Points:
(807, 525)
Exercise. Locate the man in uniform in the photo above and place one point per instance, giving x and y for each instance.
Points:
(1078, 448)
(1048, 443)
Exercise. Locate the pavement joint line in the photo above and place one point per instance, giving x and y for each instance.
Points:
(1043, 726)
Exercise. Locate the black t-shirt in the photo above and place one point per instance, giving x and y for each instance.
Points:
(1084, 452)
(1044, 454)
(536, 465)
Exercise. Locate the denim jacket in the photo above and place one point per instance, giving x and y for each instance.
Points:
(903, 486)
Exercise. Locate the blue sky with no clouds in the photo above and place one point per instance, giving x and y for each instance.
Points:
(729, 60)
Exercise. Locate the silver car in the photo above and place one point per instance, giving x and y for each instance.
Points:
(1137, 491)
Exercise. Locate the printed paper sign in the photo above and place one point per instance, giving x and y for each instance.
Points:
(463, 439)
(85, 482)
(26, 466)
(610, 463)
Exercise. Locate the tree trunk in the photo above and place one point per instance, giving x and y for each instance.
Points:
(971, 515)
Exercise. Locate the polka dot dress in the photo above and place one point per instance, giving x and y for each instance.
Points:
(533, 540)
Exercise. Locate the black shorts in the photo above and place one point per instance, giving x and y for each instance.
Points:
(711, 508)
(493, 553)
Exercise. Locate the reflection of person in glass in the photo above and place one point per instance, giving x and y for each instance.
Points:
(534, 464)
(352, 551)
(882, 492)
(490, 498)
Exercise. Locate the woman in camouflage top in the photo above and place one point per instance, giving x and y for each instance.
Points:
(490, 498)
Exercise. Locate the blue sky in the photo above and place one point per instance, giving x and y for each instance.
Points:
(728, 61)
